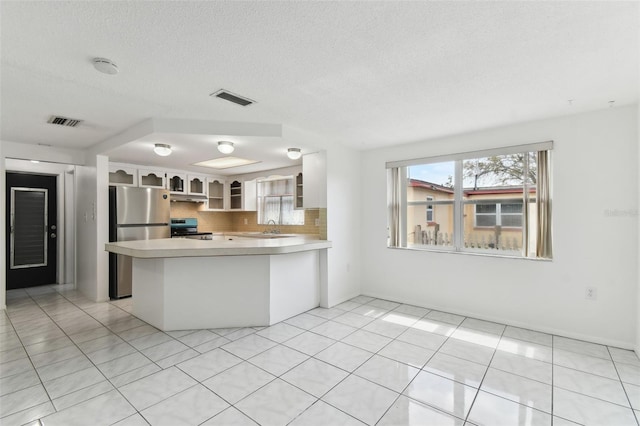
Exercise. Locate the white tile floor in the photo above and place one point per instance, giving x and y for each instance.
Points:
(67, 361)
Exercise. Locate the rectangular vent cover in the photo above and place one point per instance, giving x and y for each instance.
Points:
(228, 96)
(64, 121)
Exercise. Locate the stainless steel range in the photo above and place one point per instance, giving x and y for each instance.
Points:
(187, 228)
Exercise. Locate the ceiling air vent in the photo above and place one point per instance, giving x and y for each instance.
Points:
(64, 121)
(228, 96)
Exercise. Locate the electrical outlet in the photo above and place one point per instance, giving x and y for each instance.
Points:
(246, 222)
(591, 293)
(317, 222)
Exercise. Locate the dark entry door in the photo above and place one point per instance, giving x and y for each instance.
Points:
(31, 230)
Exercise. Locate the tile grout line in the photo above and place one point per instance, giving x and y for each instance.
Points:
(421, 369)
(309, 357)
(108, 380)
(42, 307)
(349, 373)
(30, 360)
(154, 363)
(124, 341)
(94, 365)
(466, 419)
(626, 394)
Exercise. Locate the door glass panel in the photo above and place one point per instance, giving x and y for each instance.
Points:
(29, 227)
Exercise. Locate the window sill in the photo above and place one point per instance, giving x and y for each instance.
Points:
(471, 253)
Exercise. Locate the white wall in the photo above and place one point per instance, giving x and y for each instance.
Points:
(344, 216)
(86, 235)
(342, 262)
(594, 170)
(70, 226)
(102, 230)
(92, 215)
(23, 151)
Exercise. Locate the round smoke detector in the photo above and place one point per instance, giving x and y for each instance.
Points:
(105, 66)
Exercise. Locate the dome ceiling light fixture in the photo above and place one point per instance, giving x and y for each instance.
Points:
(105, 66)
(225, 147)
(162, 149)
(294, 153)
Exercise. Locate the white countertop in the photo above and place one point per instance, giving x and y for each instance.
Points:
(182, 247)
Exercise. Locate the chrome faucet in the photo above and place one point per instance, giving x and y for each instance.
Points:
(273, 230)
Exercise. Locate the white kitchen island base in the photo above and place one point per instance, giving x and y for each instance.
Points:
(182, 293)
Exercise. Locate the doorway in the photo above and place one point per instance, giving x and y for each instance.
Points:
(31, 230)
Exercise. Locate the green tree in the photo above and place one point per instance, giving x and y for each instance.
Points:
(499, 170)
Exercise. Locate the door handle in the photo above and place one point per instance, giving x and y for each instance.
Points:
(53, 235)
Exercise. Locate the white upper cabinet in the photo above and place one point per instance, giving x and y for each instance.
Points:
(314, 170)
(152, 178)
(232, 193)
(242, 194)
(216, 190)
(177, 182)
(299, 191)
(235, 194)
(197, 185)
(250, 195)
(123, 175)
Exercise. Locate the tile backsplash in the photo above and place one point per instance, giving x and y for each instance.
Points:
(210, 221)
(207, 221)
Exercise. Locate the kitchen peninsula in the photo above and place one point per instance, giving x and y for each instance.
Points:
(181, 284)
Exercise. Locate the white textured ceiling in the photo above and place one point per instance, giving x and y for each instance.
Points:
(365, 74)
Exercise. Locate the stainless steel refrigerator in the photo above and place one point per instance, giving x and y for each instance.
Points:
(134, 214)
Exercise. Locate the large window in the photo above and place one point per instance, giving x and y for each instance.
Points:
(492, 202)
(275, 198)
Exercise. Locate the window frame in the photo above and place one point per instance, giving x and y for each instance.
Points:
(541, 248)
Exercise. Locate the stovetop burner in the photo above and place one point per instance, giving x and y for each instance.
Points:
(186, 227)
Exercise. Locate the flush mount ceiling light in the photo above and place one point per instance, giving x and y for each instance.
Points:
(294, 153)
(105, 66)
(162, 149)
(225, 147)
